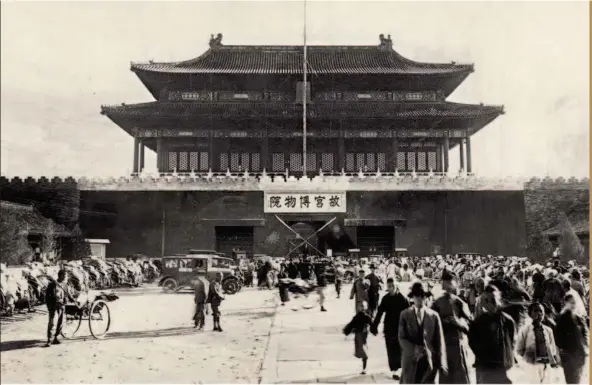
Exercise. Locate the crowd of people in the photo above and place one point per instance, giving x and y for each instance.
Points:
(501, 308)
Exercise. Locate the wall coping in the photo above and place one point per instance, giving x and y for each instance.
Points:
(283, 182)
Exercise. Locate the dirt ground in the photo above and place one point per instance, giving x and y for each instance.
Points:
(152, 340)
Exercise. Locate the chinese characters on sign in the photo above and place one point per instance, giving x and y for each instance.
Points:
(304, 203)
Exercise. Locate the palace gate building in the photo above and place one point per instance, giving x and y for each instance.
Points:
(251, 157)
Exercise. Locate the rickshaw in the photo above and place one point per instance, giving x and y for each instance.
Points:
(180, 271)
(96, 312)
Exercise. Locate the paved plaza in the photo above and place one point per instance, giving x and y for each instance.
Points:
(152, 341)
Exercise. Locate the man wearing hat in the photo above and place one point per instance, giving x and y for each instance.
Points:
(422, 340)
(373, 290)
(455, 316)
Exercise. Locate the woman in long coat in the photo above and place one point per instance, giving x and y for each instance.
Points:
(392, 305)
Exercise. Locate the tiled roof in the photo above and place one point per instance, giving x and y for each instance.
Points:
(243, 59)
(287, 110)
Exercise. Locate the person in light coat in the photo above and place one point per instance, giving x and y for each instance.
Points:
(536, 343)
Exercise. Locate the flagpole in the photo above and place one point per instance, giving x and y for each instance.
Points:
(304, 94)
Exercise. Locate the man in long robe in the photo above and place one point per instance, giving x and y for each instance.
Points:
(392, 305)
(455, 316)
(359, 292)
(373, 290)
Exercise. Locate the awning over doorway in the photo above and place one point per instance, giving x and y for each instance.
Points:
(255, 222)
(349, 222)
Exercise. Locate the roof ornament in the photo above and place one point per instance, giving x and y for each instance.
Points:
(216, 41)
(385, 43)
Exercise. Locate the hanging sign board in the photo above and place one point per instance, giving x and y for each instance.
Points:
(304, 203)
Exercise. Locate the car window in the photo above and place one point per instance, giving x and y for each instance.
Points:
(220, 263)
(199, 263)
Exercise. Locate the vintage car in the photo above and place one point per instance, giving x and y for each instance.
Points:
(180, 271)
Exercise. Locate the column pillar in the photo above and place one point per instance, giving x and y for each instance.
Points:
(446, 147)
(469, 166)
(438, 157)
(394, 153)
(462, 154)
(159, 155)
(341, 147)
(142, 150)
(136, 155)
(265, 151)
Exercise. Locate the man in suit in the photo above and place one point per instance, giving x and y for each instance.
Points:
(422, 340)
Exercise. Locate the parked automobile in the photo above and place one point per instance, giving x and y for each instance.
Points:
(180, 271)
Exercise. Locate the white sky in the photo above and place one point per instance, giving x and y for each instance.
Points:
(61, 61)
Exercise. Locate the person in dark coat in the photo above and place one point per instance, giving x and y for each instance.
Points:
(455, 316)
(571, 337)
(215, 298)
(423, 350)
(375, 284)
(359, 326)
(392, 305)
(200, 297)
(491, 338)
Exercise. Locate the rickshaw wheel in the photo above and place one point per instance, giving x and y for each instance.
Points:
(75, 320)
(99, 311)
(169, 285)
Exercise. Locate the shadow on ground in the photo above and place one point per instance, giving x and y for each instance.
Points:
(379, 378)
(7, 346)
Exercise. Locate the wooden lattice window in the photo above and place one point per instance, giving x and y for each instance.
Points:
(204, 161)
(410, 161)
(371, 161)
(295, 162)
(311, 162)
(349, 161)
(183, 161)
(256, 161)
(235, 162)
(421, 161)
(224, 161)
(381, 161)
(193, 161)
(401, 161)
(432, 162)
(360, 161)
(327, 162)
(278, 162)
(245, 161)
(172, 161)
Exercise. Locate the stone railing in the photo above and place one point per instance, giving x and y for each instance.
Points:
(285, 182)
(263, 181)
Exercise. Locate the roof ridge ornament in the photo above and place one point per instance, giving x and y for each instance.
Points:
(215, 42)
(385, 43)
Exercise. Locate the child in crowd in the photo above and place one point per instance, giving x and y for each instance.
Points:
(359, 325)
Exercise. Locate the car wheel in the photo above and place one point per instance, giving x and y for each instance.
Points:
(169, 285)
(230, 286)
